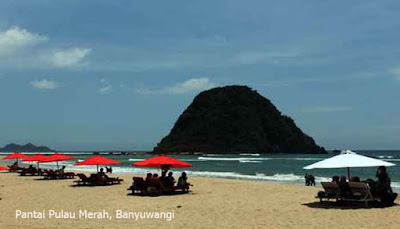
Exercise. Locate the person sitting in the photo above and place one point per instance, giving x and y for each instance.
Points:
(335, 179)
(155, 186)
(383, 188)
(355, 179)
(182, 182)
(101, 173)
(344, 187)
(169, 181)
(60, 172)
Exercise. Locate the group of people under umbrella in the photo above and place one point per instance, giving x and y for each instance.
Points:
(152, 185)
(353, 188)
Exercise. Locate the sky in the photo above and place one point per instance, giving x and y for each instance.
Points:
(116, 75)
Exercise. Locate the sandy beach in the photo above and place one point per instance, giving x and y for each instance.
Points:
(213, 203)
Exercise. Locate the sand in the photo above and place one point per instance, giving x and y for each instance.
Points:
(213, 203)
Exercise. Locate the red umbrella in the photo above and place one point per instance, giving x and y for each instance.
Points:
(58, 157)
(98, 160)
(2, 169)
(160, 161)
(15, 155)
(37, 157)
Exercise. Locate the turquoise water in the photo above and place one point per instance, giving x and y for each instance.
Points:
(287, 168)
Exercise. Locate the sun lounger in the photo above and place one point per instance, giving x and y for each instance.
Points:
(51, 174)
(83, 179)
(331, 191)
(30, 172)
(361, 193)
(114, 180)
(14, 168)
(153, 188)
(139, 186)
(94, 180)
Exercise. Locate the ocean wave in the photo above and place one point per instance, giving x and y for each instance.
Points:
(250, 154)
(385, 157)
(233, 158)
(134, 159)
(249, 161)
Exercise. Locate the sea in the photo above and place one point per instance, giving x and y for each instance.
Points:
(281, 168)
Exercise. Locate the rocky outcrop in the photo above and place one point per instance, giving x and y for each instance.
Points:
(235, 119)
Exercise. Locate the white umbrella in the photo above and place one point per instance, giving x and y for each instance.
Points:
(348, 159)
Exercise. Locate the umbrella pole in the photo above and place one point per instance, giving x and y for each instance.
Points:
(57, 165)
(348, 172)
(97, 168)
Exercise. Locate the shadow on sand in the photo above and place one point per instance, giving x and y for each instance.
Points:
(345, 205)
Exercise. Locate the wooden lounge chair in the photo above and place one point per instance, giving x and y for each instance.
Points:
(14, 168)
(68, 175)
(331, 191)
(139, 186)
(83, 179)
(113, 180)
(361, 193)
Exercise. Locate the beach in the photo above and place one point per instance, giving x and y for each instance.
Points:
(213, 203)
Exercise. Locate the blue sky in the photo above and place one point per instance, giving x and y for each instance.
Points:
(98, 75)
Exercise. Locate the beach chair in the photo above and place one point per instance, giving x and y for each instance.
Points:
(113, 180)
(68, 175)
(361, 193)
(331, 191)
(139, 186)
(14, 168)
(83, 179)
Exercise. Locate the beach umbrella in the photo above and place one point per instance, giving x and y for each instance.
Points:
(37, 157)
(58, 157)
(162, 161)
(348, 159)
(98, 160)
(3, 169)
(15, 155)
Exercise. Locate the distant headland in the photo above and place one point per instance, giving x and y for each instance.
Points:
(235, 119)
(12, 147)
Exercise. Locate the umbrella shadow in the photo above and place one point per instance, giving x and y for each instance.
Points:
(345, 205)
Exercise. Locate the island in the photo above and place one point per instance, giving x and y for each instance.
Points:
(235, 119)
(12, 147)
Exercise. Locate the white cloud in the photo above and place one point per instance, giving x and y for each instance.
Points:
(44, 84)
(20, 48)
(327, 109)
(105, 89)
(15, 38)
(69, 57)
(188, 86)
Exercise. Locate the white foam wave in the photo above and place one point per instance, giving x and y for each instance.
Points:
(233, 159)
(134, 159)
(249, 161)
(250, 154)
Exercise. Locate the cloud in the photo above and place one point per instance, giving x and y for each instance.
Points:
(105, 89)
(20, 48)
(69, 57)
(327, 109)
(188, 86)
(44, 84)
(15, 38)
